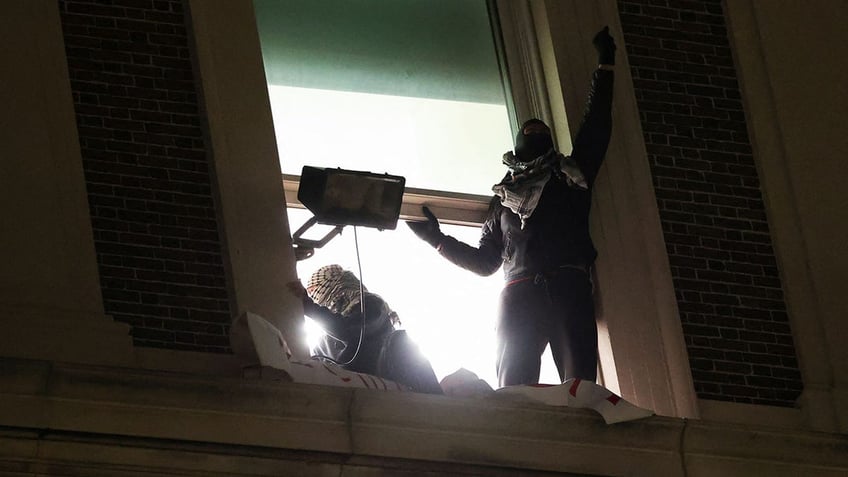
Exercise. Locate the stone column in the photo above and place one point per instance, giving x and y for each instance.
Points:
(792, 69)
(50, 301)
(247, 168)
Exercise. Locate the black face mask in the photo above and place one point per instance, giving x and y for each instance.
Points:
(531, 146)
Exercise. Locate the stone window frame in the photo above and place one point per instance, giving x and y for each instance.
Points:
(545, 44)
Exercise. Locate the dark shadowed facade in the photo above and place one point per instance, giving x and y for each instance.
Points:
(144, 209)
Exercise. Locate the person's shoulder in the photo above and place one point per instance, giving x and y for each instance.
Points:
(373, 299)
(494, 210)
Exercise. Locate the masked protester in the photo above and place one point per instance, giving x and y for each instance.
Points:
(538, 229)
(360, 330)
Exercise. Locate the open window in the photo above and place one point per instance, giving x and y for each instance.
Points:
(408, 88)
(647, 360)
(417, 89)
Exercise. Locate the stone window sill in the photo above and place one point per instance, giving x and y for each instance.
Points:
(358, 423)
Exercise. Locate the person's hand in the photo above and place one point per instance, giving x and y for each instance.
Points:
(427, 230)
(605, 45)
(296, 289)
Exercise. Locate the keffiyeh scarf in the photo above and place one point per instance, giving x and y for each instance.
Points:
(522, 188)
(333, 287)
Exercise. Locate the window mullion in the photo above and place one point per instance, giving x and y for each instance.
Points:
(449, 207)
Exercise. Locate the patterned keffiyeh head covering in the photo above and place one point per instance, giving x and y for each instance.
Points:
(333, 287)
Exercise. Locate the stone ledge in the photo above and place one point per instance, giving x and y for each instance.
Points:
(50, 334)
(70, 454)
(340, 423)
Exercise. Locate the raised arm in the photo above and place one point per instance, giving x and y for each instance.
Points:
(342, 328)
(593, 135)
(336, 325)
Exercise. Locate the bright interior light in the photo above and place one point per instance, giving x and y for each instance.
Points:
(435, 144)
(449, 312)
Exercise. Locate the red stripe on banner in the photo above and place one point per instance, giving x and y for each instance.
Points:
(573, 389)
(613, 399)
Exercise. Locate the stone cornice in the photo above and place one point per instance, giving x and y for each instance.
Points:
(54, 402)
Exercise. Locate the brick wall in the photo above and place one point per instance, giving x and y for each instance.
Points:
(725, 274)
(147, 171)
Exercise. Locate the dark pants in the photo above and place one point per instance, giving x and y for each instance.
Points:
(555, 308)
(401, 361)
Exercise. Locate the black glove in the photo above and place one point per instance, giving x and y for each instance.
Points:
(605, 45)
(428, 230)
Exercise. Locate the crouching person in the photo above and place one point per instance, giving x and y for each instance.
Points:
(360, 330)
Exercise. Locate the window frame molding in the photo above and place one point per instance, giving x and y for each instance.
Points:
(549, 40)
(451, 207)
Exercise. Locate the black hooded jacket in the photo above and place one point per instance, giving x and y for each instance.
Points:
(342, 338)
(557, 233)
